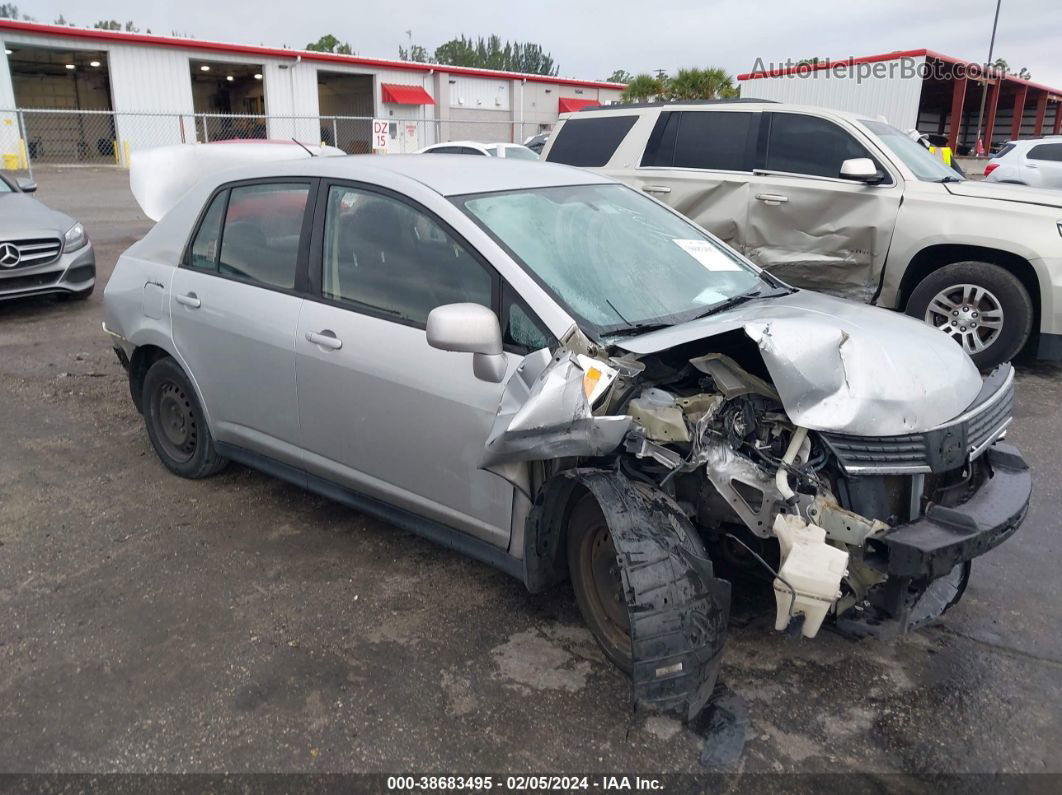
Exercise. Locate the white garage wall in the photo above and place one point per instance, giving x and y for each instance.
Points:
(480, 93)
(891, 95)
(149, 78)
(413, 125)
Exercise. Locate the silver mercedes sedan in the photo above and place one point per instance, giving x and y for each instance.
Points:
(562, 377)
(41, 250)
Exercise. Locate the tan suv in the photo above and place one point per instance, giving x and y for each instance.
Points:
(846, 205)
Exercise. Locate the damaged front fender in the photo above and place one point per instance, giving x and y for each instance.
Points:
(678, 608)
(545, 414)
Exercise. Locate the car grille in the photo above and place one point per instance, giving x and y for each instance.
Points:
(940, 449)
(27, 282)
(35, 251)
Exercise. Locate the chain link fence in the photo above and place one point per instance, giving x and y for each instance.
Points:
(30, 137)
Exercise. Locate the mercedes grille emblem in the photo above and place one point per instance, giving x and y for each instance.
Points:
(9, 255)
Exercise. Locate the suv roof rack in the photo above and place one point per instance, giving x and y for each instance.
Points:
(665, 103)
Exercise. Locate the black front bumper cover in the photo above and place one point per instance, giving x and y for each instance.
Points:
(945, 537)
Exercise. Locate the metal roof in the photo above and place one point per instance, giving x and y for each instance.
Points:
(283, 52)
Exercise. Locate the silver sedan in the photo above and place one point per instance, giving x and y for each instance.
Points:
(557, 375)
(41, 250)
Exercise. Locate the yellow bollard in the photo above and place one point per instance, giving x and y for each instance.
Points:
(23, 159)
(125, 151)
(114, 145)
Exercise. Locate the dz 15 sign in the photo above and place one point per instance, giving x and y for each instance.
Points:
(381, 135)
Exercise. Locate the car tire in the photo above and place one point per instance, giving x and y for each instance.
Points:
(594, 571)
(967, 300)
(175, 422)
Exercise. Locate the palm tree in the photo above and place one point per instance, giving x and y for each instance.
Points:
(643, 88)
(709, 83)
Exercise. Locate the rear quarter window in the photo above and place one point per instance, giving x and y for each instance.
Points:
(714, 140)
(590, 142)
(1046, 152)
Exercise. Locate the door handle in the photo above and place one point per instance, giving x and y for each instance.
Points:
(191, 300)
(1031, 165)
(656, 189)
(772, 198)
(326, 339)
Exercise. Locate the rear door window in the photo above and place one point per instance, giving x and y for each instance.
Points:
(263, 227)
(810, 145)
(715, 140)
(591, 142)
(1046, 152)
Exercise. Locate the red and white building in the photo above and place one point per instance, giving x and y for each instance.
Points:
(130, 74)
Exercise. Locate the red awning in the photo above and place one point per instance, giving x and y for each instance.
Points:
(569, 104)
(405, 95)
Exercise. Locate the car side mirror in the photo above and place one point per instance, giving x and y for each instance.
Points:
(469, 328)
(861, 169)
(26, 185)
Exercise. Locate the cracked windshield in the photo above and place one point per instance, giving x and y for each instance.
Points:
(615, 259)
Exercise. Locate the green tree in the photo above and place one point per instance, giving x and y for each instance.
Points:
(643, 88)
(415, 53)
(114, 24)
(486, 53)
(1002, 65)
(457, 52)
(10, 11)
(330, 43)
(709, 83)
(619, 76)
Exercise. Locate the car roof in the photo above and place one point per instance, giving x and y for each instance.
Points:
(446, 174)
(741, 103)
(479, 144)
(1045, 139)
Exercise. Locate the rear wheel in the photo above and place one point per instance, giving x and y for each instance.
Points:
(983, 307)
(596, 580)
(175, 422)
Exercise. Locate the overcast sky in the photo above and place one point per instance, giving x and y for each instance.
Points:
(590, 39)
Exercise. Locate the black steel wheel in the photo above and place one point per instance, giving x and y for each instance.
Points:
(596, 580)
(176, 424)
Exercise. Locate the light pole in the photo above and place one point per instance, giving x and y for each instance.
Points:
(984, 87)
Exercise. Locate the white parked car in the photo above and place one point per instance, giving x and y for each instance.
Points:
(514, 151)
(1036, 162)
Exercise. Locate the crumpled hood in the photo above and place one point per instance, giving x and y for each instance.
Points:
(21, 214)
(841, 366)
(1007, 193)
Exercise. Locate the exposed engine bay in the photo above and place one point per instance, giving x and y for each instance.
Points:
(709, 437)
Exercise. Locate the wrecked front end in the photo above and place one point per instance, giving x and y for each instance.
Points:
(774, 457)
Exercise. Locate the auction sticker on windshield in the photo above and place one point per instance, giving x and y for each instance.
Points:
(708, 255)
